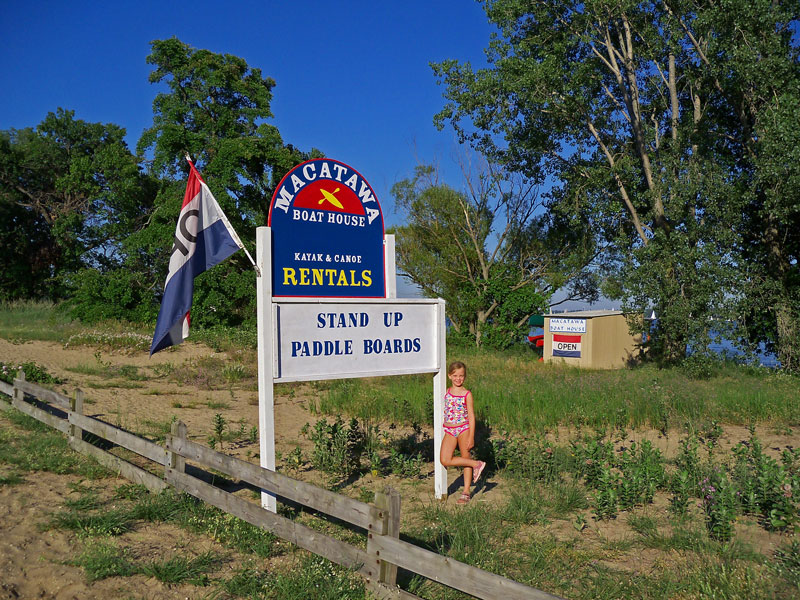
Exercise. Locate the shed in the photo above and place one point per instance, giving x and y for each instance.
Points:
(594, 339)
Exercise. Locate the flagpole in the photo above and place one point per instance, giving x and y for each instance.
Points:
(235, 235)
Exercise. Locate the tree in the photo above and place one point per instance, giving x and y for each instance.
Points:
(68, 188)
(647, 115)
(216, 110)
(488, 251)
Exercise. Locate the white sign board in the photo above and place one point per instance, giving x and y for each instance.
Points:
(561, 325)
(317, 339)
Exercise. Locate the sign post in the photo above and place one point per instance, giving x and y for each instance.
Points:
(327, 298)
(266, 409)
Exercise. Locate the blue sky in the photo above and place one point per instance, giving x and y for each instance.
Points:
(353, 77)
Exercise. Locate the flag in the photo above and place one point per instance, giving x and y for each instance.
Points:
(567, 345)
(203, 238)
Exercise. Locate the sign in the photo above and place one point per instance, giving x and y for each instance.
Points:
(568, 325)
(327, 234)
(568, 346)
(330, 340)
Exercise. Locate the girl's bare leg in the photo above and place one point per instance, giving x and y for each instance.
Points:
(448, 460)
(462, 447)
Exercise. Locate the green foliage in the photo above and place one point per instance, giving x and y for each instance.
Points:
(787, 562)
(107, 523)
(487, 252)
(671, 129)
(719, 505)
(33, 373)
(681, 487)
(101, 559)
(318, 578)
(337, 448)
(69, 191)
(766, 487)
(33, 446)
(80, 220)
(114, 294)
(180, 569)
(530, 459)
(405, 465)
(642, 474)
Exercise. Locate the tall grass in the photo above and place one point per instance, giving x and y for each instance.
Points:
(515, 392)
(32, 320)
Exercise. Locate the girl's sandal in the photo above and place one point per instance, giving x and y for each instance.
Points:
(463, 499)
(476, 472)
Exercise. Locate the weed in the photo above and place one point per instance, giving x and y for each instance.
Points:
(219, 423)
(317, 578)
(606, 496)
(180, 569)
(787, 563)
(642, 473)
(294, 460)
(247, 582)
(87, 501)
(108, 523)
(217, 405)
(11, 479)
(39, 448)
(337, 448)
(403, 465)
(101, 559)
(122, 341)
(225, 528)
(232, 373)
(33, 372)
(681, 487)
(159, 430)
(688, 460)
(719, 505)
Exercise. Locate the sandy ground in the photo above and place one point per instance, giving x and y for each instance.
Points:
(34, 562)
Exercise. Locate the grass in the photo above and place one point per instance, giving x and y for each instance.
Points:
(29, 445)
(545, 532)
(180, 569)
(22, 321)
(516, 393)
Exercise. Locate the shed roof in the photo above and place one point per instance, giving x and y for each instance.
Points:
(585, 314)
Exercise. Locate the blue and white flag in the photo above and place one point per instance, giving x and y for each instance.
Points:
(203, 238)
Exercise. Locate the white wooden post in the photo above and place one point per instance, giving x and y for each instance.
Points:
(266, 409)
(391, 267)
(439, 387)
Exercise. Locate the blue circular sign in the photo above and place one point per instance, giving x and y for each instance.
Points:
(327, 234)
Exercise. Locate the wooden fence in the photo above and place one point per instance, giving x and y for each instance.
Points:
(378, 564)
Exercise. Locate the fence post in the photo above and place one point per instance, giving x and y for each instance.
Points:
(389, 501)
(19, 395)
(383, 575)
(76, 406)
(176, 462)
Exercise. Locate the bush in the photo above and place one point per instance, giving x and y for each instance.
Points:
(116, 294)
(33, 373)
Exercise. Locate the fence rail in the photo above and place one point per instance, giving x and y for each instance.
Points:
(378, 564)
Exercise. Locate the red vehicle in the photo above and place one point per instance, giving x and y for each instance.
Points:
(536, 334)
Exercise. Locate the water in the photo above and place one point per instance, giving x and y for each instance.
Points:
(727, 349)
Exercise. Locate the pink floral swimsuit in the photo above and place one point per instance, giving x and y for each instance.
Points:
(455, 412)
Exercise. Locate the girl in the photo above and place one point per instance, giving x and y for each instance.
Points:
(459, 428)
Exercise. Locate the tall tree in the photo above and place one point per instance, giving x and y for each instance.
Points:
(67, 189)
(640, 109)
(488, 251)
(215, 109)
